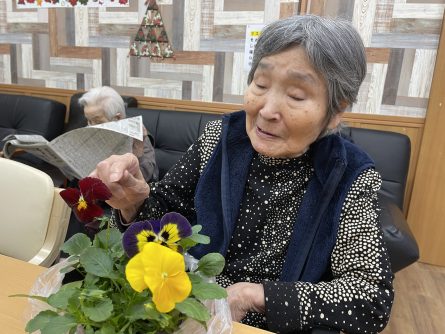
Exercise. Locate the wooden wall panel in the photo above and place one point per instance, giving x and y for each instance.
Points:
(426, 214)
(400, 35)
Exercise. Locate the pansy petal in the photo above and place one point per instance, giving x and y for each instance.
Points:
(169, 233)
(164, 270)
(172, 246)
(173, 263)
(174, 290)
(94, 189)
(70, 196)
(134, 272)
(161, 259)
(179, 287)
(143, 237)
(132, 240)
(156, 225)
(184, 229)
(163, 301)
(88, 214)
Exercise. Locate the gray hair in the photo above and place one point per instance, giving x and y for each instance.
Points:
(333, 46)
(107, 99)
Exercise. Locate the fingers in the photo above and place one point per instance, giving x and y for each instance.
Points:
(112, 169)
(121, 174)
(244, 297)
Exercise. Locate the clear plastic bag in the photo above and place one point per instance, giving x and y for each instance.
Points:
(221, 321)
(50, 282)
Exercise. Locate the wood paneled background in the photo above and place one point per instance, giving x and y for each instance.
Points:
(79, 48)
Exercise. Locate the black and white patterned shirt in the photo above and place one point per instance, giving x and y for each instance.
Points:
(357, 300)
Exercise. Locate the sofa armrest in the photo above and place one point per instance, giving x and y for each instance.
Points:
(402, 246)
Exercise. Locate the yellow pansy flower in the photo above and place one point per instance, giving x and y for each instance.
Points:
(162, 270)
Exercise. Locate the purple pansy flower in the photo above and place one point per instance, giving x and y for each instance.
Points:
(168, 231)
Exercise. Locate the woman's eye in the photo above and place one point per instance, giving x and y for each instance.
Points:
(260, 86)
(296, 98)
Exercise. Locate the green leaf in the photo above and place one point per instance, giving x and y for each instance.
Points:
(193, 309)
(195, 278)
(90, 280)
(93, 293)
(144, 310)
(187, 243)
(205, 290)
(61, 298)
(136, 312)
(118, 252)
(99, 311)
(107, 329)
(107, 238)
(211, 264)
(76, 244)
(40, 321)
(200, 239)
(196, 229)
(98, 262)
(69, 264)
(43, 299)
(66, 270)
(58, 325)
(89, 330)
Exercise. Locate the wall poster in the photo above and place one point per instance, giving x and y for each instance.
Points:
(70, 3)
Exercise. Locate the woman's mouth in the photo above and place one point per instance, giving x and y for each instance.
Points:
(264, 134)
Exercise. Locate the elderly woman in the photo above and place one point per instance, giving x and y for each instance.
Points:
(290, 204)
(104, 104)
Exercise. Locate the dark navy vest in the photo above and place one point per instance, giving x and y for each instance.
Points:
(221, 187)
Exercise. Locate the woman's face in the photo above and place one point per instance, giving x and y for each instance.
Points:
(96, 115)
(286, 105)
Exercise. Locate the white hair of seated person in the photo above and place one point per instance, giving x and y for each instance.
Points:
(107, 99)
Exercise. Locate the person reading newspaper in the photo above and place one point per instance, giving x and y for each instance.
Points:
(77, 152)
(104, 104)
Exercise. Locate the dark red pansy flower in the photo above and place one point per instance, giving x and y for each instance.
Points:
(83, 200)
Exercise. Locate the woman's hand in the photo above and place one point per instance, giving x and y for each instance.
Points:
(123, 177)
(244, 297)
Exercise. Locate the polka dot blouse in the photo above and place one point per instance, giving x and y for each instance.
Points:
(358, 299)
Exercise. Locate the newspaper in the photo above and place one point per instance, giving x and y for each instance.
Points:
(76, 153)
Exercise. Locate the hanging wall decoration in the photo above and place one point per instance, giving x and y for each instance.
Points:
(151, 39)
(70, 3)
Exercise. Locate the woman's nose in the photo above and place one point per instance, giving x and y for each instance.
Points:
(270, 108)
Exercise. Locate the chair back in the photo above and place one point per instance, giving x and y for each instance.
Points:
(173, 132)
(391, 153)
(34, 218)
(30, 115)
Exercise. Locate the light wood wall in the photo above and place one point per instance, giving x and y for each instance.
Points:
(427, 212)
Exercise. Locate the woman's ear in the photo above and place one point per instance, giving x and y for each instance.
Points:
(118, 116)
(342, 106)
(336, 119)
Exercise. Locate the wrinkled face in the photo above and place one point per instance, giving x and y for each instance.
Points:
(96, 115)
(286, 105)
